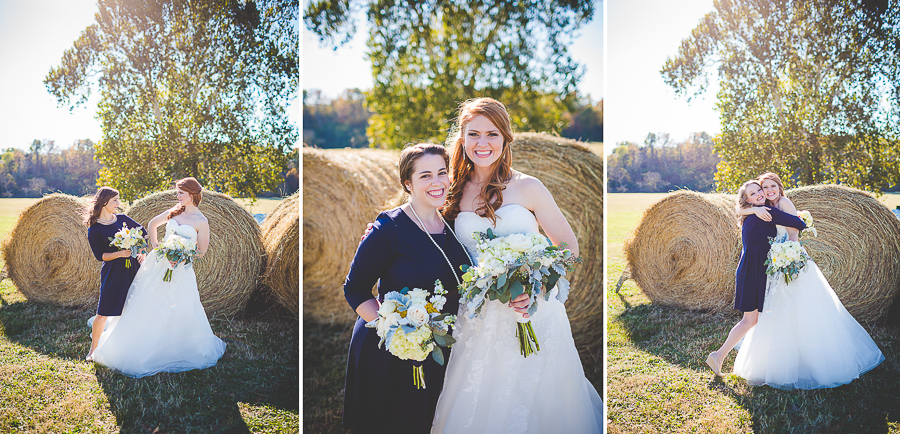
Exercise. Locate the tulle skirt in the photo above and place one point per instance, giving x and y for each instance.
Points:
(163, 327)
(805, 338)
(490, 387)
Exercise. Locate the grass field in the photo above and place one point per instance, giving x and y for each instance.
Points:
(657, 380)
(46, 386)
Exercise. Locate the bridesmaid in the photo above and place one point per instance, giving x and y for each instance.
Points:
(115, 277)
(750, 279)
(409, 246)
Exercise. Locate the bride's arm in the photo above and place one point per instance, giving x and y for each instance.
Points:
(761, 211)
(155, 222)
(202, 237)
(787, 206)
(552, 221)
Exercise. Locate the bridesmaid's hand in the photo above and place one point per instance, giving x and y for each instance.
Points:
(763, 213)
(369, 227)
(141, 256)
(520, 304)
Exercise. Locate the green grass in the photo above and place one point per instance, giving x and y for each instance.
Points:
(46, 386)
(658, 380)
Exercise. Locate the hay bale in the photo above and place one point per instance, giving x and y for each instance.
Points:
(48, 256)
(686, 250)
(343, 189)
(858, 247)
(574, 176)
(281, 239)
(231, 268)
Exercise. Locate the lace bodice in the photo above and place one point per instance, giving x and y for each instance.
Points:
(781, 235)
(187, 231)
(511, 219)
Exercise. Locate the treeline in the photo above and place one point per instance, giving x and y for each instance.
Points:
(342, 122)
(47, 168)
(661, 164)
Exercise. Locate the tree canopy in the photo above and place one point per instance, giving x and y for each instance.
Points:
(429, 56)
(188, 88)
(808, 89)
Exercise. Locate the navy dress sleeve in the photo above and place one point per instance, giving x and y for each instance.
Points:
(373, 256)
(115, 275)
(379, 394)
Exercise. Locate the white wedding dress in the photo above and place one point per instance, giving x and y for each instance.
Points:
(489, 386)
(163, 327)
(805, 338)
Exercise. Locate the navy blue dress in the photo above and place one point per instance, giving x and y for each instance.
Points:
(379, 394)
(750, 278)
(115, 278)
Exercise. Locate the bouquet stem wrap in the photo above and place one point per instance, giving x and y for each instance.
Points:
(528, 343)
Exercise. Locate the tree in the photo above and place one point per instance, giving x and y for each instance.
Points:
(586, 123)
(429, 56)
(808, 89)
(338, 123)
(188, 88)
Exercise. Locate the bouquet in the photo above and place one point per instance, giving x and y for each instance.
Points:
(513, 265)
(177, 249)
(412, 326)
(786, 258)
(129, 239)
(810, 227)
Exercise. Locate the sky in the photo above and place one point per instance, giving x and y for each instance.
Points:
(332, 71)
(34, 34)
(641, 35)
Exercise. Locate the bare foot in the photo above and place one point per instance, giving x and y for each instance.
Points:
(713, 362)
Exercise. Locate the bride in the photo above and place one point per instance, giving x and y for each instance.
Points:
(489, 386)
(163, 327)
(804, 337)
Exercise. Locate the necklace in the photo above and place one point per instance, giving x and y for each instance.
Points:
(106, 222)
(435, 242)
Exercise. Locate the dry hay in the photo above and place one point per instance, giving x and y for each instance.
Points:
(686, 250)
(858, 247)
(231, 268)
(343, 189)
(574, 176)
(48, 256)
(281, 239)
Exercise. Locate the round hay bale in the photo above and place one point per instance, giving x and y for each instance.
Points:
(231, 268)
(686, 250)
(858, 247)
(48, 256)
(281, 239)
(574, 176)
(343, 189)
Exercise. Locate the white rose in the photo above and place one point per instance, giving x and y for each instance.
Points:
(417, 315)
(393, 319)
(387, 308)
(418, 294)
(519, 242)
(382, 328)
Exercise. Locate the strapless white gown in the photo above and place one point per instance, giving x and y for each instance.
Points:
(163, 327)
(805, 338)
(489, 386)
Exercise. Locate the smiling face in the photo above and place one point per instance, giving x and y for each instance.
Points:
(430, 181)
(755, 195)
(771, 190)
(112, 204)
(183, 197)
(483, 141)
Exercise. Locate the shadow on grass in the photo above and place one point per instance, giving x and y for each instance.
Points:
(258, 374)
(684, 338)
(325, 347)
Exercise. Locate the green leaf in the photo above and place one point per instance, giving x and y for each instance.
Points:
(516, 289)
(438, 355)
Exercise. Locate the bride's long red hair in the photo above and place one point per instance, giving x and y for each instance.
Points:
(461, 167)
